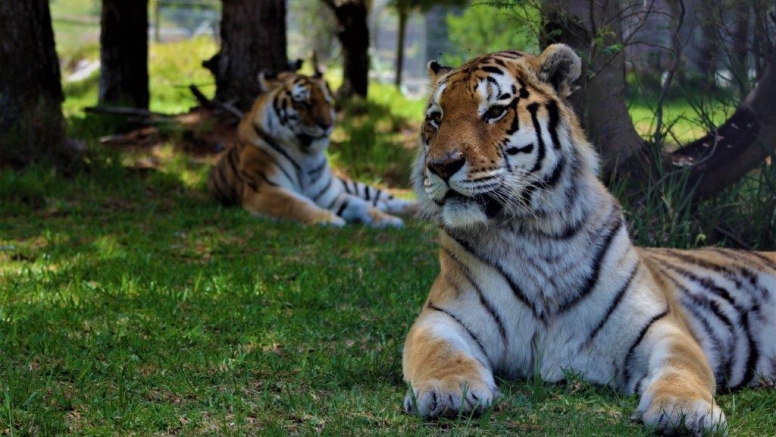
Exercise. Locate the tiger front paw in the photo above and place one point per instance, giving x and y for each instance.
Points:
(330, 219)
(379, 219)
(671, 415)
(449, 398)
(408, 208)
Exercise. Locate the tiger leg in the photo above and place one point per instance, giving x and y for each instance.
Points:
(277, 202)
(677, 392)
(378, 198)
(358, 210)
(446, 366)
(399, 206)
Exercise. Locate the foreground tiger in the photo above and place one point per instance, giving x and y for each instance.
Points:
(538, 271)
(278, 169)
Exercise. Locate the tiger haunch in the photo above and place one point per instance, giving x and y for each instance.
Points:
(538, 271)
(278, 168)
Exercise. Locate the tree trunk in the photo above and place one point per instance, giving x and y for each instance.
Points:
(253, 39)
(353, 36)
(31, 122)
(761, 14)
(738, 146)
(403, 15)
(740, 47)
(600, 100)
(124, 53)
(716, 160)
(707, 60)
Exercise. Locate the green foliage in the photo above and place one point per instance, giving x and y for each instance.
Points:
(746, 212)
(316, 32)
(742, 216)
(491, 26)
(423, 5)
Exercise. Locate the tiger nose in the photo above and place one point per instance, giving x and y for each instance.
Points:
(447, 166)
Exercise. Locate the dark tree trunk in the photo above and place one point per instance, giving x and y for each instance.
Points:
(714, 161)
(740, 47)
(763, 18)
(600, 100)
(253, 39)
(353, 35)
(738, 146)
(709, 50)
(403, 15)
(124, 53)
(31, 122)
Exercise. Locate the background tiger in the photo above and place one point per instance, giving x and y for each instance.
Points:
(278, 168)
(538, 271)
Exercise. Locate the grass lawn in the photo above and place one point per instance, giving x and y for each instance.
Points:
(130, 304)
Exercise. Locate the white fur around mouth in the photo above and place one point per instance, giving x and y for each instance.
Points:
(458, 210)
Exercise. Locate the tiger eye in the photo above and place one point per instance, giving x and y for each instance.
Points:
(495, 112)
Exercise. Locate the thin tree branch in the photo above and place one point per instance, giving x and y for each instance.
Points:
(677, 51)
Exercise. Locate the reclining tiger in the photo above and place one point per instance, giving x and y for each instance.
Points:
(538, 272)
(278, 168)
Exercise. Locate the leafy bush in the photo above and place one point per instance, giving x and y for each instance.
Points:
(483, 29)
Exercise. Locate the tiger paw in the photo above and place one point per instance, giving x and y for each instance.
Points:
(449, 398)
(380, 219)
(402, 207)
(670, 415)
(331, 220)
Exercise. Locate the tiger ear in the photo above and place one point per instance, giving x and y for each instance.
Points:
(560, 67)
(268, 81)
(435, 71)
(295, 66)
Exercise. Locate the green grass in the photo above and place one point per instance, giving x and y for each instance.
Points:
(131, 304)
(375, 140)
(170, 73)
(680, 115)
(76, 23)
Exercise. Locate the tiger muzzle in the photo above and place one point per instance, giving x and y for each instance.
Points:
(447, 166)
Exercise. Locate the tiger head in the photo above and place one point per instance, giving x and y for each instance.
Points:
(298, 110)
(499, 138)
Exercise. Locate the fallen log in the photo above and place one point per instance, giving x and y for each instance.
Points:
(213, 104)
(129, 112)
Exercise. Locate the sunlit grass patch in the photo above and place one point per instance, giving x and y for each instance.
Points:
(680, 115)
(375, 140)
(172, 67)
